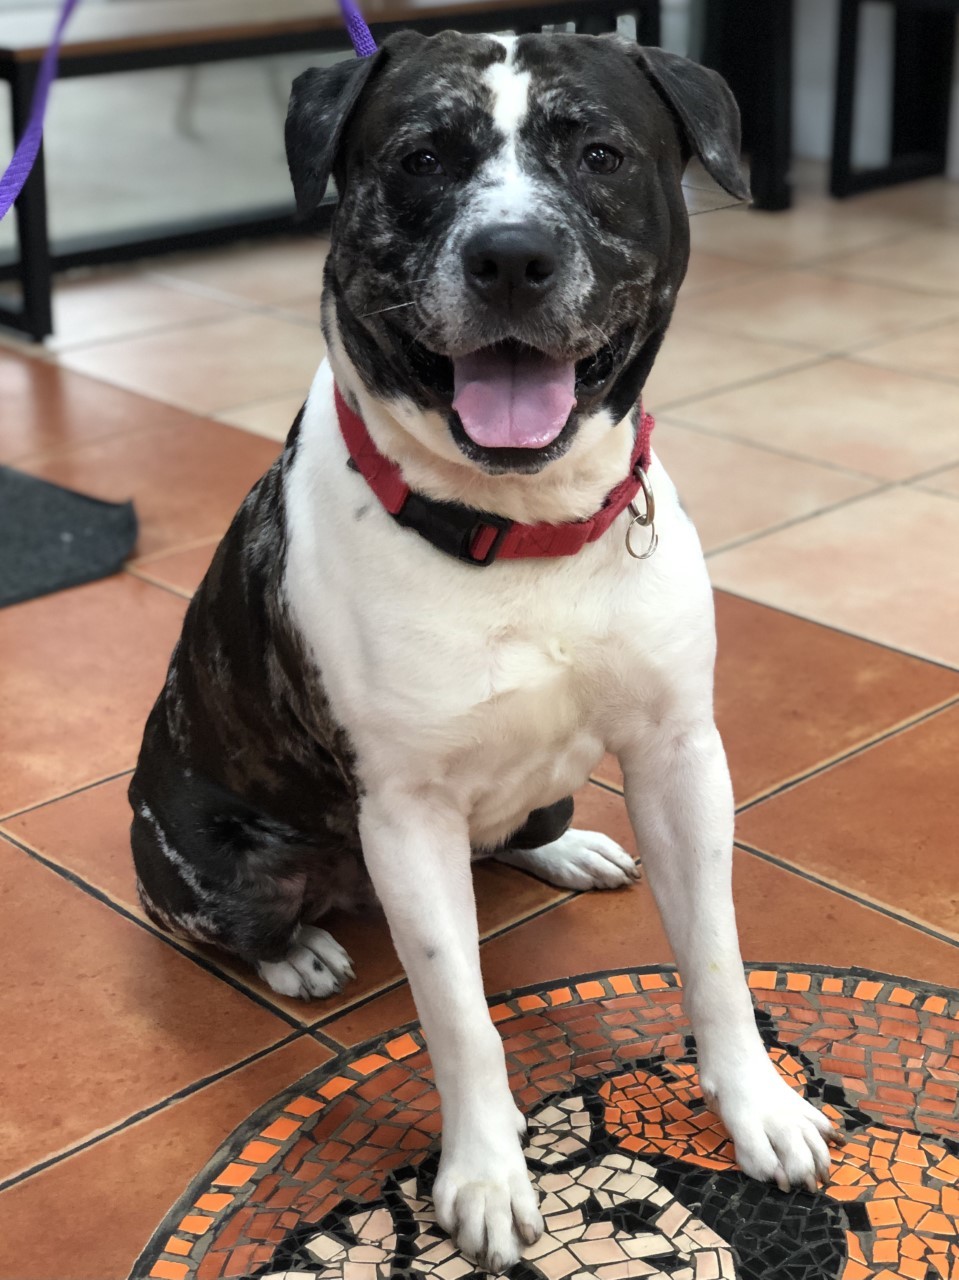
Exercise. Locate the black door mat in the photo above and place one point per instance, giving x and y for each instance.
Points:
(52, 538)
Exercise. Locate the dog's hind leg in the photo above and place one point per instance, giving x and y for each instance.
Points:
(548, 848)
(241, 883)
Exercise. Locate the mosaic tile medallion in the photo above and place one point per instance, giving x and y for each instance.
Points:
(331, 1180)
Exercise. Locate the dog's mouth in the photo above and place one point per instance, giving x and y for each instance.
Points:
(513, 396)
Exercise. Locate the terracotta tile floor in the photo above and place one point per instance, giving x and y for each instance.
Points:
(809, 412)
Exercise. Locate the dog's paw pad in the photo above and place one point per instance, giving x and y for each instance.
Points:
(316, 966)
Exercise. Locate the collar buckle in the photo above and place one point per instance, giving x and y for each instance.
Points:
(459, 531)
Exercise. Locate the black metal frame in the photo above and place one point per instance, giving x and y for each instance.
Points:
(925, 37)
(37, 262)
(750, 42)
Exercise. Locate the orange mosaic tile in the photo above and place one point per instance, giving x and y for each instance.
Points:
(635, 1171)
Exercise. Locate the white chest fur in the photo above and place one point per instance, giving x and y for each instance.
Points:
(502, 686)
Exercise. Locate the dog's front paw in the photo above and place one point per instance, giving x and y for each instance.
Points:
(484, 1199)
(314, 967)
(578, 860)
(779, 1137)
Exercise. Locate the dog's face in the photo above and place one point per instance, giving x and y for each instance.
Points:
(511, 230)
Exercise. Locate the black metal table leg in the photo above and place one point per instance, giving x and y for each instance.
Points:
(847, 58)
(750, 43)
(649, 23)
(36, 277)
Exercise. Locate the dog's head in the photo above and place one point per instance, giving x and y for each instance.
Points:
(511, 231)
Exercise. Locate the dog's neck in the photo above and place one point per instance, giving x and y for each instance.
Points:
(571, 488)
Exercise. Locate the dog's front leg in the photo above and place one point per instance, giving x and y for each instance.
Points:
(418, 854)
(681, 806)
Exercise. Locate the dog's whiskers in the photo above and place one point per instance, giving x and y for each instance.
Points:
(736, 204)
(396, 307)
(605, 340)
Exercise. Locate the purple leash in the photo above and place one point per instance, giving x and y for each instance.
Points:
(358, 31)
(28, 148)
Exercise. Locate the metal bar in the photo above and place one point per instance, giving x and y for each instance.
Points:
(13, 318)
(925, 41)
(923, 60)
(841, 172)
(649, 23)
(771, 38)
(750, 43)
(35, 271)
(92, 251)
(900, 169)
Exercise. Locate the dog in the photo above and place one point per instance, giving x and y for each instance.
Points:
(396, 662)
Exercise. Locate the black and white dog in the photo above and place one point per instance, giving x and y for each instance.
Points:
(354, 707)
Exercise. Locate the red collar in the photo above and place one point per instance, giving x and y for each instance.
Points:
(476, 536)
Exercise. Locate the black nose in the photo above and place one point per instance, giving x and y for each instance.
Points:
(512, 265)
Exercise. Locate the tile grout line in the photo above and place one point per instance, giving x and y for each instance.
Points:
(209, 413)
(192, 544)
(806, 359)
(827, 765)
(231, 304)
(102, 897)
(841, 631)
(851, 352)
(937, 493)
(870, 904)
(824, 765)
(328, 1042)
(45, 458)
(606, 785)
(77, 791)
(735, 543)
(385, 989)
(137, 573)
(918, 291)
(883, 282)
(669, 419)
(138, 1116)
(197, 958)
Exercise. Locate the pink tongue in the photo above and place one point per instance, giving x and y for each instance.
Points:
(510, 402)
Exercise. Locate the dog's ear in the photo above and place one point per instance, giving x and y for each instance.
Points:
(707, 111)
(320, 105)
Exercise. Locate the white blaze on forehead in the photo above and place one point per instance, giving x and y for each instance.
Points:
(509, 88)
(508, 192)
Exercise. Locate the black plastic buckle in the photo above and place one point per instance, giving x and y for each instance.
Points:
(452, 528)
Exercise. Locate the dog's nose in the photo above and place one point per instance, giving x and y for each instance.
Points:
(512, 265)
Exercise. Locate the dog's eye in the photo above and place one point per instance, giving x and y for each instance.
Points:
(422, 164)
(600, 159)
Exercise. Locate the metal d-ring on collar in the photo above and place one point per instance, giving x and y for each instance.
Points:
(645, 519)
